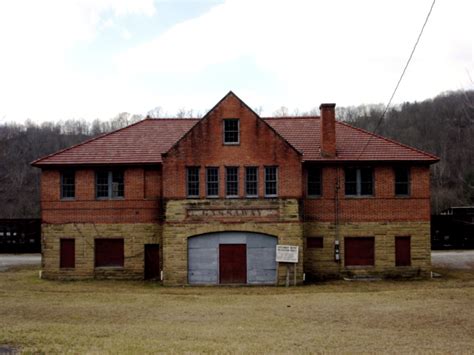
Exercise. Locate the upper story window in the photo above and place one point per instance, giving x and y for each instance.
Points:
(231, 131)
(251, 181)
(314, 181)
(192, 181)
(68, 184)
(271, 181)
(232, 181)
(212, 182)
(402, 181)
(109, 184)
(359, 181)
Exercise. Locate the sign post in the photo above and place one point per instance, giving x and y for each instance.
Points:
(288, 254)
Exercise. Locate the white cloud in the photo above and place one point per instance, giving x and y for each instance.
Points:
(35, 37)
(345, 51)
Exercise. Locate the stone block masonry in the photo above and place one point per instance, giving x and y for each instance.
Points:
(319, 263)
(284, 225)
(135, 236)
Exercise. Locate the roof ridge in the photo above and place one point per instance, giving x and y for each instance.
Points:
(289, 117)
(34, 162)
(432, 156)
(173, 118)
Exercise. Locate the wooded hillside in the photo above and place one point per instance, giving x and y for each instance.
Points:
(443, 126)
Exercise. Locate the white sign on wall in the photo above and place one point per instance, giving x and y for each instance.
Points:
(286, 253)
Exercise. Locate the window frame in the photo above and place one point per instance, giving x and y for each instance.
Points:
(247, 168)
(208, 195)
(62, 185)
(110, 184)
(227, 195)
(198, 182)
(398, 183)
(320, 170)
(266, 181)
(224, 131)
(358, 181)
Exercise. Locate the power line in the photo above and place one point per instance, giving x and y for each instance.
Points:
(399, 80)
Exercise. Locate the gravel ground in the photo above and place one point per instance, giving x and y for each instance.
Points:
(453, 259)
(10, 260)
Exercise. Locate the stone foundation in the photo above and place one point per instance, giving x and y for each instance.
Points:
(134, 235)
(173, 237)
(320, 263)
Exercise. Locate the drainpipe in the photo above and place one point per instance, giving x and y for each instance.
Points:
(337, 254)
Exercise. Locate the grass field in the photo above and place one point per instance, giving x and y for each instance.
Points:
(136, 317)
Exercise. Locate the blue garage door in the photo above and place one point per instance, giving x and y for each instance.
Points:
(203, 256)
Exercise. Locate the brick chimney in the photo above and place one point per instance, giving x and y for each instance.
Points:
(328, 130)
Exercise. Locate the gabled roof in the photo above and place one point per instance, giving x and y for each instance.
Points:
(231, 93)
(140, 143)
(146, 141)
(352, 144)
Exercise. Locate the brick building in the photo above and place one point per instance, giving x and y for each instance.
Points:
(206, 201)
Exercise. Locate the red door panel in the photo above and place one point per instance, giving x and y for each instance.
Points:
(233, 263)
(358, 251)
(402, 251)
(152, 261)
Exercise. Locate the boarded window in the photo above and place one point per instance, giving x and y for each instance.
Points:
(67, 257)
(232, 181)
(231, 131)
(402, 181)
(314, 181)
(271, 181)
(192, 181)
(359, 251)
(212, 182)
(251, 181)
(314, 242)
(402, 251)
(109, 252)
(68, 184)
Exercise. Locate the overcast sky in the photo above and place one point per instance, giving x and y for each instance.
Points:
(95, 58)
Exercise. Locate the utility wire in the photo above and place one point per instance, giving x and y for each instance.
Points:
(399, 80)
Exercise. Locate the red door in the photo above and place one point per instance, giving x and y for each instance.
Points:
(402, 251)
(232, 263)
(152, 261)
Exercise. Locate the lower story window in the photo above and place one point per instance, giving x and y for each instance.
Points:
(359, 251)
(67, 253)
(314, 242)
(109, 252)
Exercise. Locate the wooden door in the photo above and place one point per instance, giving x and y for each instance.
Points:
(402, 251)
(232, 263)
(152, 261)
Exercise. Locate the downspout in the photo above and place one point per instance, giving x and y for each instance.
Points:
(337, 254)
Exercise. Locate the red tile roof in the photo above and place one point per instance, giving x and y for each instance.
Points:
(145, 142)
(142, 142)
(351, 143)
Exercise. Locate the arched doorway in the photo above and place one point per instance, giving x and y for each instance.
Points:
(232, 258)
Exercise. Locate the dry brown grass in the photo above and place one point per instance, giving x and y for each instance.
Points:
(136, 317)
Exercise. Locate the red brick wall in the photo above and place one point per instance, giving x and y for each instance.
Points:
(259, 146)
(383, 206)
(140, 205)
